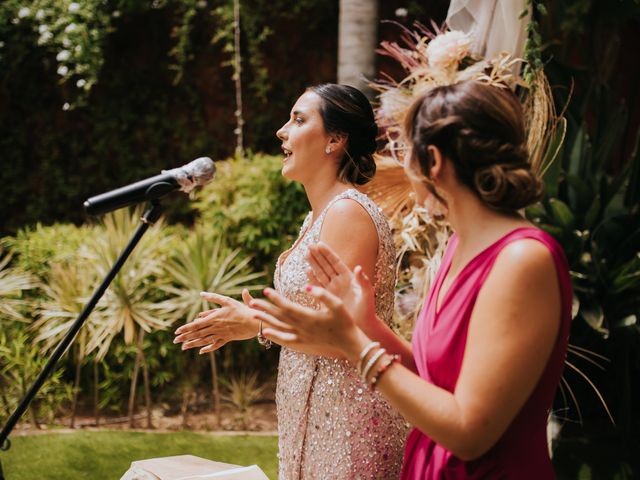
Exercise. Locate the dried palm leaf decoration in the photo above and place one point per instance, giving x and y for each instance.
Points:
(433, 57)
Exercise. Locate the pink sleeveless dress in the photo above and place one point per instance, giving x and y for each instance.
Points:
(438, 348)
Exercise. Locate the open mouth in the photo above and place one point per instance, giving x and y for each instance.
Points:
(287, 152)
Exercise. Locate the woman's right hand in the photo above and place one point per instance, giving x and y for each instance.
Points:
(233, 320)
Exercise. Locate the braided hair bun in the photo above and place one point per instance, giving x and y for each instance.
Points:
(480, 128)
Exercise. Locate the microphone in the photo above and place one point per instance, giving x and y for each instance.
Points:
(196, 173)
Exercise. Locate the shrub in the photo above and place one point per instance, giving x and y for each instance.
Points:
(259, 211)
(37, 247)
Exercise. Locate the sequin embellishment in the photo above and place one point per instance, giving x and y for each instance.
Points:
(330, 426)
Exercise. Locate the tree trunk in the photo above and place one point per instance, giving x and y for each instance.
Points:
(96, 409)
(147, 386)
(357, 39)
(215, 388)
(76, 390)
(32, 407)
(184, 406)
(134, 381)
(34, 418)
(237, 79)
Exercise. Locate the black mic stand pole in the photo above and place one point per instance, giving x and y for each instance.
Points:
(149, 218)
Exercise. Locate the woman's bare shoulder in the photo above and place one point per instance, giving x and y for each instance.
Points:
(350, 231)
(350, 217)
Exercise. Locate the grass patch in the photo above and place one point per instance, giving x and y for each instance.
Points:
(108, 454)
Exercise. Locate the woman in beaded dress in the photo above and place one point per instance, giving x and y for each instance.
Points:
(330, 425)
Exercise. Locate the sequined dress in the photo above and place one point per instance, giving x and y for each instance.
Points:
(330, 425)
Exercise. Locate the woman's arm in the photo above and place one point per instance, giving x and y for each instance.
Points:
(233, 320)
(351, 233)
(511, 335)
(330, 272)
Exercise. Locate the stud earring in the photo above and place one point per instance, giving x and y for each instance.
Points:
(327, 150)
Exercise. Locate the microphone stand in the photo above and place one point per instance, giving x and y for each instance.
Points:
(148, 218)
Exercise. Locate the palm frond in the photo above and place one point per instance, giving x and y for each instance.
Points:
(129, 302)
(564, 382)
(205, 263)
(66, 290)
(12, 283)
(584, 354)
(591, 384)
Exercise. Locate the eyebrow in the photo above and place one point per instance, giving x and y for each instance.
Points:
(297, 112)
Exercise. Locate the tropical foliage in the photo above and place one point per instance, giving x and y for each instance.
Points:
(203, 263)
(20, 364)
(97, 94)
(256, 208)
(243, 390)
(592, 206)
(146, 89)
(12, 283)
(158, 286)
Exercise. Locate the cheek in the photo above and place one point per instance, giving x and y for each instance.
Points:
(298, 139)
(422, 193)
(416, 184)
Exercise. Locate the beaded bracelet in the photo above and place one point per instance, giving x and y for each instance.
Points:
(372, 361)
(383, 368)
(262, 340)
(365, 351)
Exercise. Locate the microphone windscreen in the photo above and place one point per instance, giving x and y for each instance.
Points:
(197, 173)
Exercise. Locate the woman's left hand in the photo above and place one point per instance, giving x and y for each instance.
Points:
(295, 326)
(214, 328)
(354, 289)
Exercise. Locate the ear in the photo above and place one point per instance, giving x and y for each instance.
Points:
(337, 141)
(437, 165)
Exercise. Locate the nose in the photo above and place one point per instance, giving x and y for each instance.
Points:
(282, 132)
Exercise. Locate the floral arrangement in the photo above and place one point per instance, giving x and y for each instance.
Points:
(74, 34)
(432, 58)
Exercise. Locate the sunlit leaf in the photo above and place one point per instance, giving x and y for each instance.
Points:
(562, 213)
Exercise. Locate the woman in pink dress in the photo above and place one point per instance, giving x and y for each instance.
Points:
(489, 345)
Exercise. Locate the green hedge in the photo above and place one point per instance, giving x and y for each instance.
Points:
(250, 206)
(163, 93)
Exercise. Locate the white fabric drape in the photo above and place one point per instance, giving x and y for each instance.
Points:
(493, 24)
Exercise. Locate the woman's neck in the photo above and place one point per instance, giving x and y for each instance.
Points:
(321, 191)
(477, 225)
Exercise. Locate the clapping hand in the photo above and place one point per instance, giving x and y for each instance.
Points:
(353, 288)
(346, 297)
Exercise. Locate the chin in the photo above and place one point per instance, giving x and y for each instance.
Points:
(287, 172)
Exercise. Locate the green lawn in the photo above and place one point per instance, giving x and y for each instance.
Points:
(107, 455)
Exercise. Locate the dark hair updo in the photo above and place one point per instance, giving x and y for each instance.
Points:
(346, 110)
(480, 129)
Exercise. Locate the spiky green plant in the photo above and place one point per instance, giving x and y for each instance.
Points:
(242, 391)
(67, 289)
(12, 283)
(205, 263)
(132, 303)
(20, 363)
